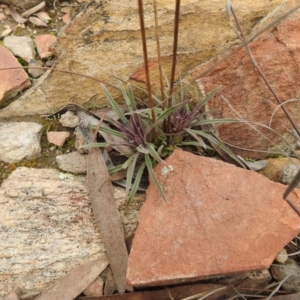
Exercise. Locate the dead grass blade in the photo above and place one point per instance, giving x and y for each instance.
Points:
(145, 53)
(16, 16)
(107, 216)
(34, 9)
(75, 282)
(159, 55)
(295, 296)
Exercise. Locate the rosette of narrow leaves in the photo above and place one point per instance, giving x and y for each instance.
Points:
(189, 127)
(151, 141)
(137, 132)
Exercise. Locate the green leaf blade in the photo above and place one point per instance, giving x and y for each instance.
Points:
(152, 175)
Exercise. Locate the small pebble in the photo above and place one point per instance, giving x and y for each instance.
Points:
(289, 269)
(69, 119)
(282, 256)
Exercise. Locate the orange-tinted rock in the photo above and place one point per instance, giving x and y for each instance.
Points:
(57, 138)
(277, 53)
(11, 81)
(44, 42)
(219, 219)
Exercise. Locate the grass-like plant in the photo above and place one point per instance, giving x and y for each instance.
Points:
(153, 132)
(151, 141)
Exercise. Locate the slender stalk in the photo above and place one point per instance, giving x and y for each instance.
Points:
(175, 44)
(174, 54)
(159, 55)
(143, 33)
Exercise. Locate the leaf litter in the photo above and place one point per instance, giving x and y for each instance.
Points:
(75, 282)
(107, 216)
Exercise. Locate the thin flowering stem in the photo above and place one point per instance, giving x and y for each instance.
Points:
(145, 53)
(159, 55)
(174, 56)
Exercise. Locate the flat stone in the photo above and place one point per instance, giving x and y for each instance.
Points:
(219, 219)
(72, 162)
(48, 228)
(120, 41)
(57, 138)
(21, 46)
(43, 44)
(277, 53)
(19, 140)
(11, 81)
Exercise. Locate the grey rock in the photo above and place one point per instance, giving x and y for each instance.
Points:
(48, 228)
(288, 174)
(19, 140)
(289, 272)
(33, 71)
(22, 46)
(69, 119)
(72, 162)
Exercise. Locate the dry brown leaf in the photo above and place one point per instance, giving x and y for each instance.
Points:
(107, 216)
(109, 286)
(174, 293)
(109, 138)
(37, 22)
(34, 9)
(16, 16)
(108, 111)
(43, 16)
(75, 282)
(118, 175)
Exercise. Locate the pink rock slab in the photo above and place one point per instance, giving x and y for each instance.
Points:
(57, 138)
(43, 44)
(219, 219)
(277, 54)
(14, 80)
